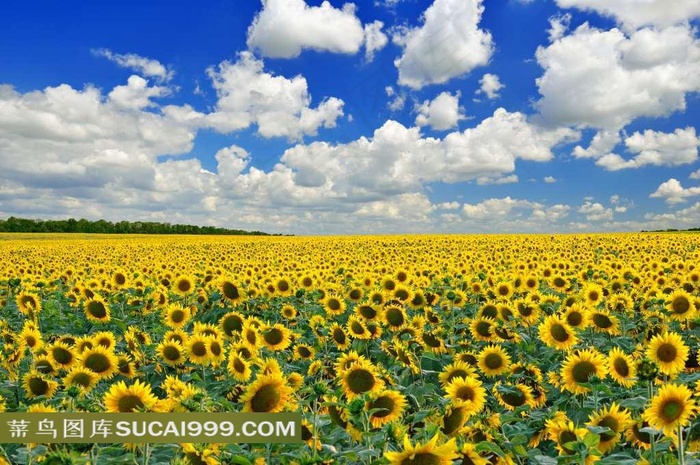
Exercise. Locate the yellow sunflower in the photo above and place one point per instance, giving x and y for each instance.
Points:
(230, 291)
(197, 347)
(96, 309)
(593, 294)
(238, 367)
(577, 316)
(385, 407)
(457, 369)
(513, 395)
(482, 328)
(183, 285)
(101, 361)
(81, 378)
(28, 303)
(232, 323)
(672, 407)
(176, 316)
(604, 322)
(468, 393)
(276, 337)
(556, 333)
(122, 399)
(669, 352)
(35, 385)
(613, 417)
(681, 305)
(360, 378)
(622, 368)
(339, 336)
(394, 316)
(61, 355)
(580, 366)
(171, 352)
(429, 453)
(334, 305)
(493, 360)
(31, 337)
(267, 394)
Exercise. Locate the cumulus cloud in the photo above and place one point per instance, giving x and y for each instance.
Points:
(558, 25)
(375, 39)
(283, 28)
(550, 179)
(490, 85)
(595, 211)
(136, 94)
(448, 44)
(144, 66)
(673, 192)
(280, 107)
(604, 79)
(656, 148)
(602, 144)
(441, 113)
(636, 13)
(485, 180)
(695, 174)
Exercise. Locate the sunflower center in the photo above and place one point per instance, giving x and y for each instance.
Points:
(38, 386)
(385, 403)
(465, 393)
(283, 286)
(99, 363)
(483, 329)
(230, 291)
(129, 403)
(613, 424)
(82, 379)
(489, 311)
(367, 311)
(199, 349)
(250, 337)
(525, 310)
(582, 371)
(514, 399)
(671, 410)
(265, 399)
(215, 348)
(680, 305)
(303, 352)
(559, 333)
(602, 321)
(232, 323)
(307, 282)
(360, 380)
(493, 361)
(430, 340)
(97, 309)
(334, 304)
(62, 356)
(667, 352)
(401, 294)
(423, 458)
(593, 296)
(184, 285)
(395, 317)
(171, 353)
(339, 336)
(178, 316)
(44, 366)
(574, 318)
(559, 282)
(120, 279)
(567, 436)
(238, 365)
(357, 328)
(621, 368)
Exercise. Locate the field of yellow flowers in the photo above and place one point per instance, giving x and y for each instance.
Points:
(518, 349)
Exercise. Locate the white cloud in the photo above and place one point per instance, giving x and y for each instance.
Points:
(279, 106)
(601, 144)
(485, 180)
(695, 174)
(604, 79)
(656, 148)
(558, 25)
(673, 192)
(441, 113)
(550, 179)
(145, 66)
(285, 27)
(375, 39)
(136, 95)
(636, 13)
(490, 85)
(495, 208)
(448, 206)
(595, 211)
(447, 45)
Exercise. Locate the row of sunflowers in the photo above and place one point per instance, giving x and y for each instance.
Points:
(572, 349)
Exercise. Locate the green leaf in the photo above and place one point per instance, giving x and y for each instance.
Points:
(486, 446)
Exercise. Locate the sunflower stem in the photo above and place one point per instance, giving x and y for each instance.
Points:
(681, 452)
(652, 437)
(314, 428)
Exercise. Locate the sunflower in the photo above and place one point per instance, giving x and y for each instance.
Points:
(394, 316)
(593, 294)
(267, 394)
(669, 352)
(101, 361)
(346, 360)
(176, 316)
(433, 342)
(105, 339)
(276, 337)
(126, 366)
(385, 407)
(513, 395)
(467, 392)
(580, 366)
(681, 305)
(618, 420)
(454, 418)
(36, 385)
(333, 305)
(288, 312)
(469, 456)
(96, 309)
(672, 407)
(457, 369)
(577, 316)
(622, 368)
(44, 365)
(171, 352)
(123, 399)
(31, 337)
(604, 322)
(556, 333)
(120, 279)
(61, 355)
(429, 453)
(527, 311)
(230, 291)
(82, 378)
(366, 311)
(360, 378)
(339, 336)
(357, 328)
(493, 360)
(303, 352)
(482, 328)
(28, 303)
(197, 347)
(183, 285)
(251, 336)
(639, 439)
(402, 293)
(562, 432)
(238, 367)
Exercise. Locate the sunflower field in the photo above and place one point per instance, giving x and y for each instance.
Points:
(482, 349)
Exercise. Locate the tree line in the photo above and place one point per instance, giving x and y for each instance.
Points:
(24, 225)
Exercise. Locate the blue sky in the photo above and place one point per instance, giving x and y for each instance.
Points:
(376, 116)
